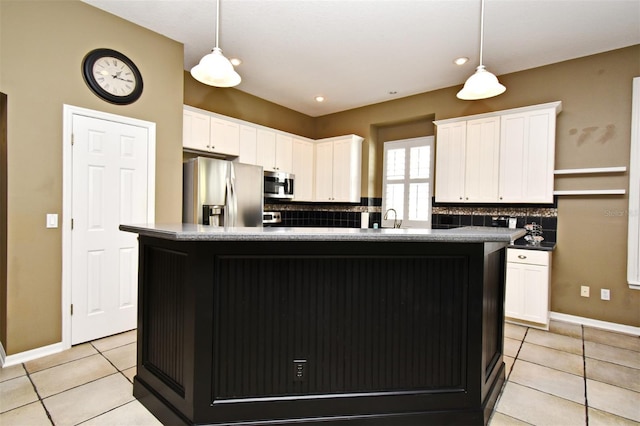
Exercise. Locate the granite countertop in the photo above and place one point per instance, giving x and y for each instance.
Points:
(193, 232)
(543, 246)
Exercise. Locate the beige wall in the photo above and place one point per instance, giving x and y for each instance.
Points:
(42, 44)
(240, 105)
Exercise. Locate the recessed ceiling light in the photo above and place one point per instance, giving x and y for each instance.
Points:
(461, 61)
(235, 61)
(319, 98)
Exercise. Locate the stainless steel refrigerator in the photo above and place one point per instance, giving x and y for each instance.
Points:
(222, 193)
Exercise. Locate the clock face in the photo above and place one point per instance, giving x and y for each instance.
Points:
(112, 76)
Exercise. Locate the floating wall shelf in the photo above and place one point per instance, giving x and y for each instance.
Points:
(590, 170)
(592, 192)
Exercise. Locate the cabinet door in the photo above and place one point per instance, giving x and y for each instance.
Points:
(344, 179)
(266, 149)
(302, 168)
(225, 136)
(482, 160)
(450, 162)
(284, 152)
(527, 157)
(324, 171)
(195, 130)
(527, 292)
(248, 145)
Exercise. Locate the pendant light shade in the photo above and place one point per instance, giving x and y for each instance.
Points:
(482, 84)
(215, 69)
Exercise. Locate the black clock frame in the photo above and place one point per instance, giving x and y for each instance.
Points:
(87, 72)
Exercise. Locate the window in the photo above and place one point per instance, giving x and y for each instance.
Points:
(407, 182)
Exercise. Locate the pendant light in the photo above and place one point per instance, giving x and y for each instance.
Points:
(482, 84)
(214, 69)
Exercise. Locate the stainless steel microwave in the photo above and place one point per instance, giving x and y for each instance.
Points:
(278, 184)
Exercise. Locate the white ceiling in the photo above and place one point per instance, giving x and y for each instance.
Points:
(354, 52)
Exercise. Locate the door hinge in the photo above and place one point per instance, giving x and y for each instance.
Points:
(72, 224)
(72, 139)
(72, 309)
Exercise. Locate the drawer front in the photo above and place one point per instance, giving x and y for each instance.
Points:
(532, 257)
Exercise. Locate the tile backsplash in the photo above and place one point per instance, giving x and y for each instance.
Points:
(454, 217)
(341, 215)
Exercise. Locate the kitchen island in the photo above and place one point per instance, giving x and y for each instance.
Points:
(255, 326)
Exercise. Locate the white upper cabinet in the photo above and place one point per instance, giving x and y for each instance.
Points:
(338, 169)
(325, 170)
(303, 159)
(483, 155)
(467, 161)
(248, 145)
(527, 153)
(204, 132)
(501, 157)
(266, 151)
(450, 162)
(274, 151)
(225, 137)
(284, 153)
(195, 130)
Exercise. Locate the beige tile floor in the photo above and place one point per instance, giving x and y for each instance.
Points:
(570, 375)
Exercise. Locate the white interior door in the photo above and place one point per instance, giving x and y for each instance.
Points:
(110, 167)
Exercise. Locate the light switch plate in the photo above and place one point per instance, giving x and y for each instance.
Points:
(52, 220)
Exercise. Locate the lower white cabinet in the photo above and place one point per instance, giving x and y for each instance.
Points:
(527, 287)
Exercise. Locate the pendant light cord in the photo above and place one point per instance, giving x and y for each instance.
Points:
(218, 24)
(481, 29)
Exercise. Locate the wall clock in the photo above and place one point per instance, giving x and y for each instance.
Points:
(112, 76)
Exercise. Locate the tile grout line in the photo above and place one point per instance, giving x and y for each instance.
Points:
(517, 353)
(109, 361)
(35, 389)
(506, 379)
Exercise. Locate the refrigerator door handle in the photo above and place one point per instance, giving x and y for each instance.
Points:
(232, 199)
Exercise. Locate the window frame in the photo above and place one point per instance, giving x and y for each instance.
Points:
(407, 144)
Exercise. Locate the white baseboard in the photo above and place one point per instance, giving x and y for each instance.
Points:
(611, 326)
(32, 354)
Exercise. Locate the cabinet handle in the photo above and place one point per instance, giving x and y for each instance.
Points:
(522, 256)
(467, 198)
(461, 198)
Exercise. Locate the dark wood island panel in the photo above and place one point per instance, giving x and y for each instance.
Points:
(283, 332)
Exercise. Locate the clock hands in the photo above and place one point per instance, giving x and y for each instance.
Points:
(117, 76)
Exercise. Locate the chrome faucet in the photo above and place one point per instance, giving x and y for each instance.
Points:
(396, 223)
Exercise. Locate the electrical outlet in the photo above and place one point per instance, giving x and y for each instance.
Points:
(584, 291)
(605, 294)
(299, 370)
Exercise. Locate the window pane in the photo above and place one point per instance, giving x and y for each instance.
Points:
(394, 197)
(420, 157)
(419, 201)
(395, 164)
